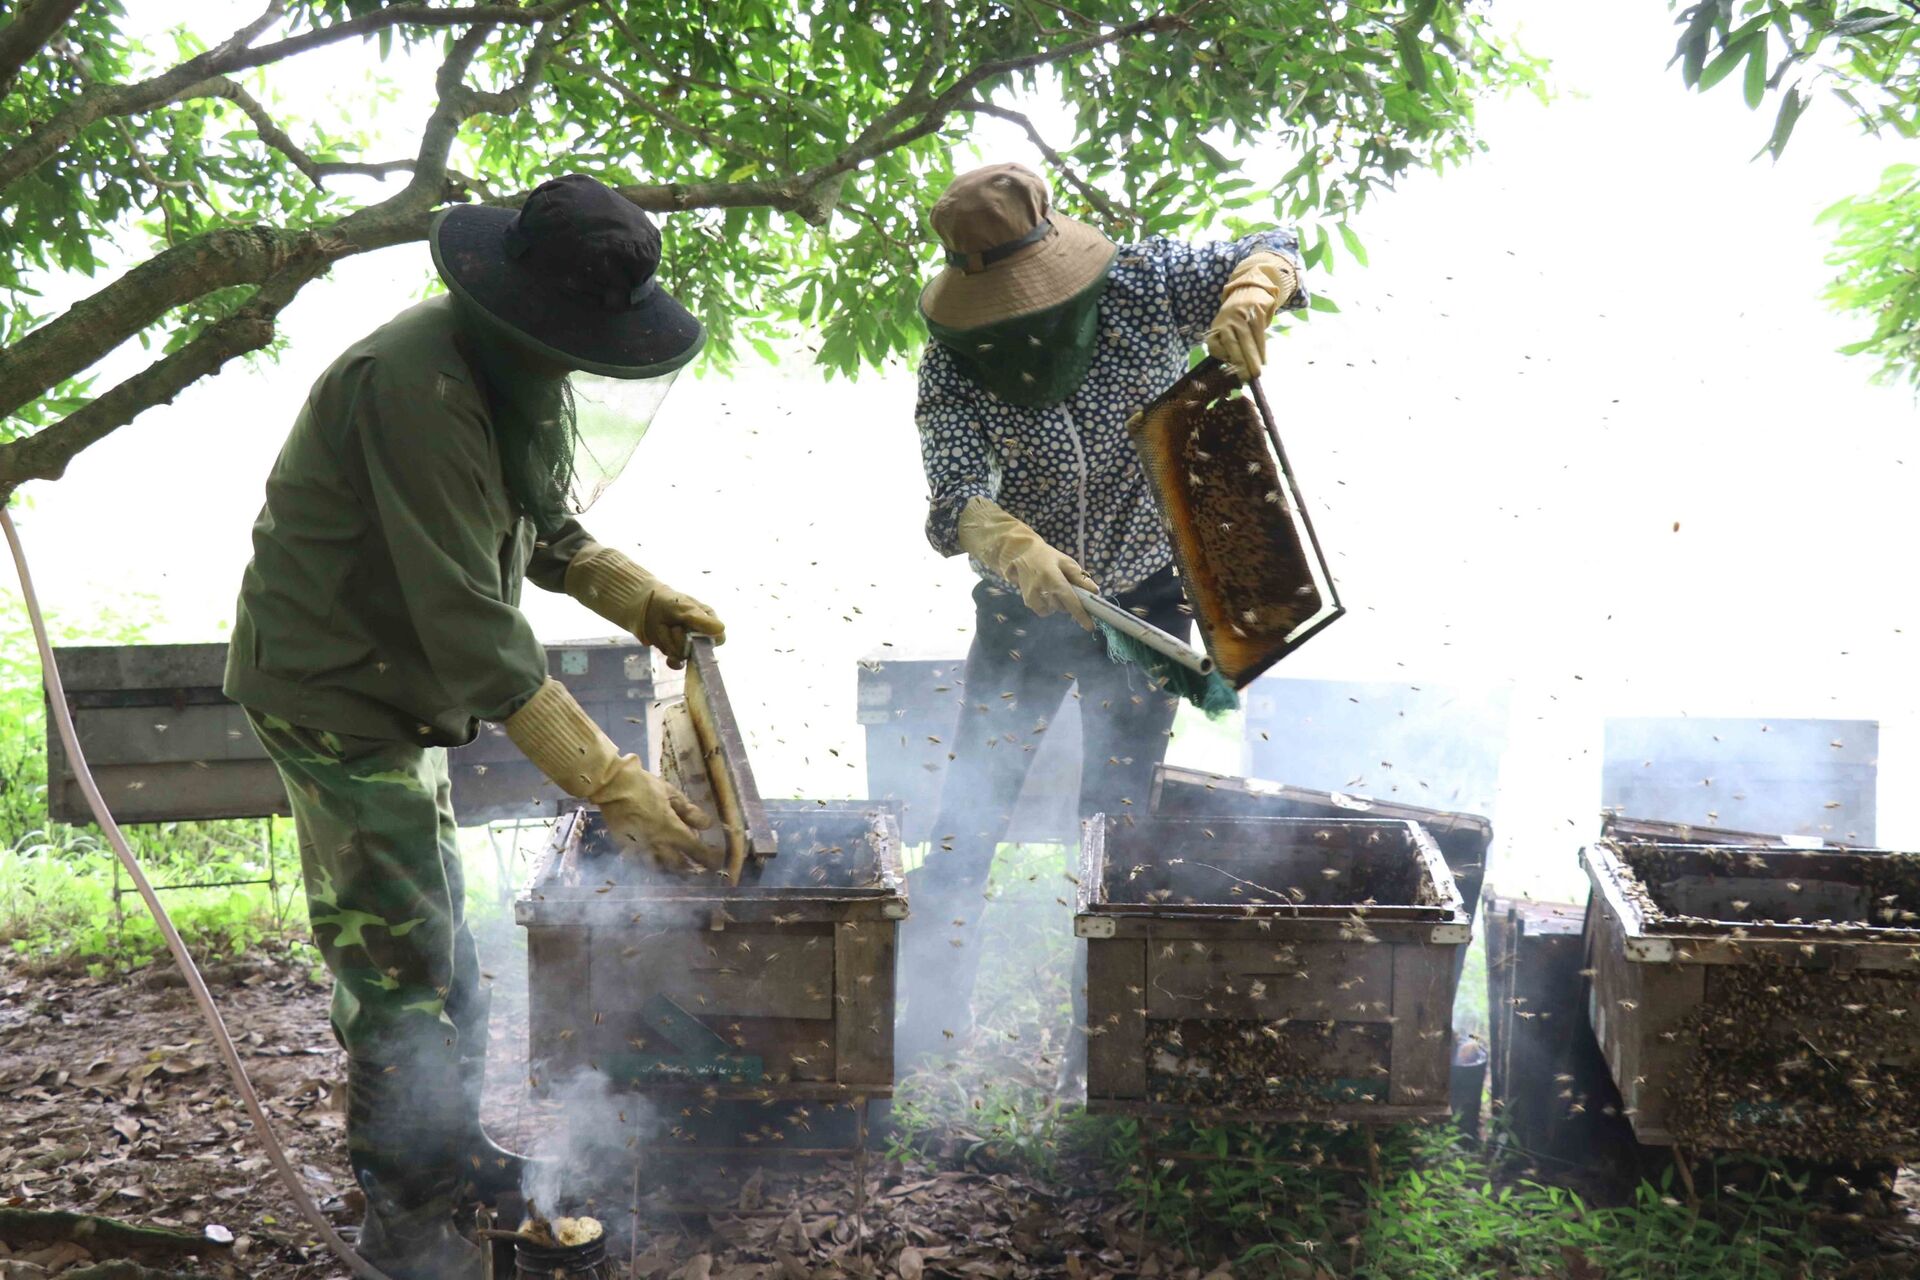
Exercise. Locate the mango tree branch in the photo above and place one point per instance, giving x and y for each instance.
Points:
(271, 134)
(443, 126)
(45, 454)
(28, 33)
(404, 15)
(280, 263)
(103, 100)
(934, 114)
(717, 143)
(191, 78)
(98, 324)
(68, 345)
(516, 95)
(1115, 217)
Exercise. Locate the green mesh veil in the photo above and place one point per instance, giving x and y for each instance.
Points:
(1033, 360)
(564, 437)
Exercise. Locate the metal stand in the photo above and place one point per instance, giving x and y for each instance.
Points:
(271, 880)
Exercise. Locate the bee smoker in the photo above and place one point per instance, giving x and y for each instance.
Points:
(535, 1261)
(515, 1255)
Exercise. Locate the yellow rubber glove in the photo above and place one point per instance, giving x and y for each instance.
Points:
(628, 596)
(1260, 285)
(646, 814)
(1045, 577)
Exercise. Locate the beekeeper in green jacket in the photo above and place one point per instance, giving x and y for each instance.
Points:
(435, 464)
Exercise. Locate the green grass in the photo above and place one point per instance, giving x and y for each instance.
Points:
(1303, 1201)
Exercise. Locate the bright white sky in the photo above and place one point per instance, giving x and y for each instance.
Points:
(1608, 324)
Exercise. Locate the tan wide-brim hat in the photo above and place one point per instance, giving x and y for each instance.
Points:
(1008, 252)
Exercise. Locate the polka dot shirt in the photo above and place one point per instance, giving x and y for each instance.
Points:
(1069, 469)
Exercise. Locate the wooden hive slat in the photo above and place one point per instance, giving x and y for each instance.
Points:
(1320, 1006)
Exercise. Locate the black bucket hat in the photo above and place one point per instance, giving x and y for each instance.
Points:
(573, 274)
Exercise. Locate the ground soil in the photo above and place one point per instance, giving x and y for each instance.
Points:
(112, 1102)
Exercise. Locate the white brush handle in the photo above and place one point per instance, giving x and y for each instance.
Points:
(1167, 646)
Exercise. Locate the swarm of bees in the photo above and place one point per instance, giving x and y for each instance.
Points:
(1247, 1066)
(1801, 1063)
(1787, 1053)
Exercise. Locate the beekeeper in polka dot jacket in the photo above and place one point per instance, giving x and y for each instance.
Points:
(1047, 337)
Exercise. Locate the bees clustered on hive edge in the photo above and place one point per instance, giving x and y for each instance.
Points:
(1248, 1065)
(1790, 1062)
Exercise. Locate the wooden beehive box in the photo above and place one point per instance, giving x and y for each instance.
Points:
(673, 986)
(1548, 1081)
(1276, 969)
(1464, 838)
(1758, 998)
(166, 745)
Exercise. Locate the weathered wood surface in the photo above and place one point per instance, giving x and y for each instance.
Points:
(557, 960)
(1116, 1019)
(1341, 1112)
(167, 745)
(724, 752)
(1550, 1082)
(1348, 982)
(1642, 1015)
(683, 764)
(1234, 868)
(863, 969)
(1625, 828)
(1720, 1038)
(1464, 838)
(1330, 1007)
(730, 974)
(1422, 1026)
(20, 1227)
(800, 977)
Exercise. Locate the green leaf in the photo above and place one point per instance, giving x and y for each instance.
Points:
(1792, 103)
(1413, 59)
(1729, 58)
(1755, 87)
(1352, 241)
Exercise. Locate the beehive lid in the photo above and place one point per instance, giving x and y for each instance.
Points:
(1195, 793)
(838, 860)
(1239, 868)
(1752, 897)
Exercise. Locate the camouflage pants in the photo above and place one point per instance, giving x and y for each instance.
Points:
(386, 901)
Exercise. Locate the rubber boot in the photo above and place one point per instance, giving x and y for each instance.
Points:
(403, 1139)
(487, 1169)
(414, 1239)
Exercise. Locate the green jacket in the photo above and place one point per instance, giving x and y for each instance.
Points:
(382, 597)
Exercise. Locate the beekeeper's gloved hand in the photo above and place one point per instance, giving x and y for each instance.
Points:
(1260, 285)
(646, 814)
(1044, 577)
(626, 595)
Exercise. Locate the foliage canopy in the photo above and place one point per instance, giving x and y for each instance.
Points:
(1867, 57)
(795, 141)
